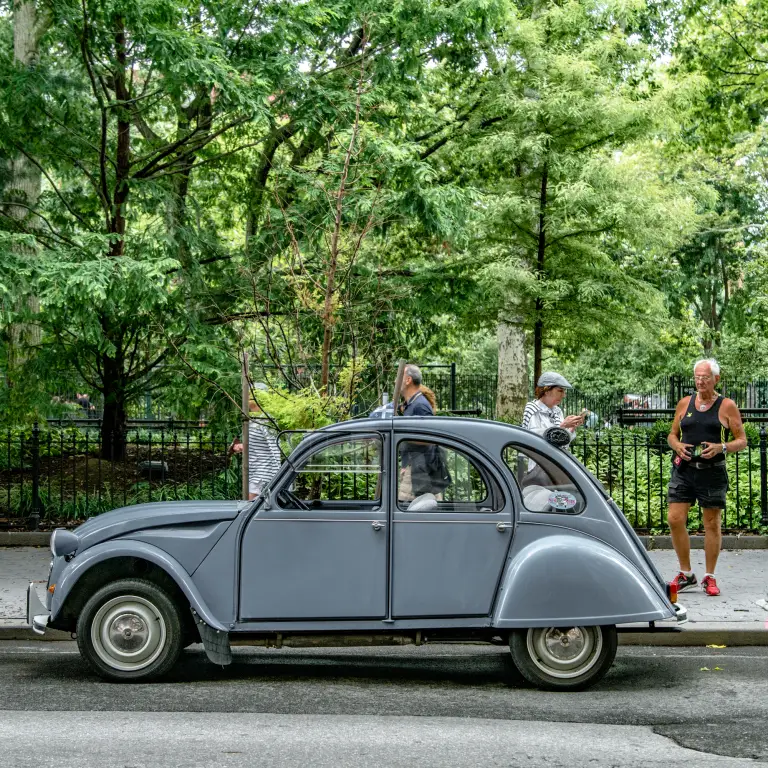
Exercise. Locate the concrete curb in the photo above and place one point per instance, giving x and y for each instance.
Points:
(697, 542)
(709, 633)
(24, 538)
(42, 539)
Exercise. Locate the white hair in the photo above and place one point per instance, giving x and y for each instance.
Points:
(714, 366)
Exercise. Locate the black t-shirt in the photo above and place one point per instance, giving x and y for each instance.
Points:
(697, 427)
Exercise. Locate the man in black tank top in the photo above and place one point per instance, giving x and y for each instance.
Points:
(700, 437)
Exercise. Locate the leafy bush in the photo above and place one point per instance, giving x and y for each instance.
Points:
(635, 466)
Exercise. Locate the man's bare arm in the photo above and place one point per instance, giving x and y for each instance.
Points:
(736, 425)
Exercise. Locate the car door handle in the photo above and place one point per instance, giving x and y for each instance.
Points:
(501, 527)
(376, 525)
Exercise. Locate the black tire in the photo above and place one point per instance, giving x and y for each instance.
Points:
(130, 630)
(563, 658)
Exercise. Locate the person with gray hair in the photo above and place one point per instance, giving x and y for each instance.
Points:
(699, 438)
(414, 455)
(416, 402)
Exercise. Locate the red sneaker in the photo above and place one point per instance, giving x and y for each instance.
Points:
(685, 582)
(709, 585)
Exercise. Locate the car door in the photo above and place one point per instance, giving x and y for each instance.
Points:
(452, 526)
(318, 549)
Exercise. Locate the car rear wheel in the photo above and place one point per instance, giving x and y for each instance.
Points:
(130, 630)
(563, 658)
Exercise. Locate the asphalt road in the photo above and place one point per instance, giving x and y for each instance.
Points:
(436, 705)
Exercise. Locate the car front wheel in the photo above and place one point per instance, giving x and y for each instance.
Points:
(563, 658)
(130, 630)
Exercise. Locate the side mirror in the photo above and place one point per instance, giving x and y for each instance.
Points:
(266, 499)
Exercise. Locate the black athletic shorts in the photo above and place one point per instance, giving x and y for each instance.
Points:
(707, 486)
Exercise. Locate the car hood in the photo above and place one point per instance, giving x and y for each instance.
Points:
(120, 522)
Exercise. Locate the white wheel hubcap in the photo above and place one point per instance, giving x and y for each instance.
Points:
(565, 652)
(128, 633)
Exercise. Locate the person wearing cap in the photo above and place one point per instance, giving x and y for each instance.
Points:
(545, 412)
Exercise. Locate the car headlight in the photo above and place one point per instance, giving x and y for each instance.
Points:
(63, 542)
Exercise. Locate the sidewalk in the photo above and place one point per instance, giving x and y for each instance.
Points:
(738, 617)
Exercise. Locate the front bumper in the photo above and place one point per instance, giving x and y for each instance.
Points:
(37, 615)
(681, 613)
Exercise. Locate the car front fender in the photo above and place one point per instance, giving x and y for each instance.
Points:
(569, 579)
(109, 550)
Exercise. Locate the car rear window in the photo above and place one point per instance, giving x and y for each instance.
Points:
(544, 485)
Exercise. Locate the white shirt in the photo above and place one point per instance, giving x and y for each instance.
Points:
(538, 418)
(264, 457)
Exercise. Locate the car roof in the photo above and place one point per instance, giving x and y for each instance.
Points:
(489, 436)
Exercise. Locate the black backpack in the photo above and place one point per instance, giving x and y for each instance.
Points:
(437, 468)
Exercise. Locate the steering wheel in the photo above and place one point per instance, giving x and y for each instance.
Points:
(293, 498)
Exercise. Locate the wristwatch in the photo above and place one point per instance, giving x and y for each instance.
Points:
(725, 450)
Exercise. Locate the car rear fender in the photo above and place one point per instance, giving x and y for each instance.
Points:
(565, 578)
(127, 548)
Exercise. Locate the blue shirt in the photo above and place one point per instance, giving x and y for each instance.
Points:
(418, 405)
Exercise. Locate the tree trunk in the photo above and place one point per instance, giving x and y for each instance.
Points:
(123, 154)
(512, 387)
(113, 428)
(25, 178)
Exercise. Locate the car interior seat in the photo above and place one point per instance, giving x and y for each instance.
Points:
(536, 498)
(424, 503)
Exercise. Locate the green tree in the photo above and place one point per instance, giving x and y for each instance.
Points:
(148, 121)
(556, 138)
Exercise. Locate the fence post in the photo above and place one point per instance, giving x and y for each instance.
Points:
(672, 399)
(36, 476)
(763, 479)
(453, 386)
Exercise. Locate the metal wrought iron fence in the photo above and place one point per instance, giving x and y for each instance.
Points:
(461, 393)
(635, 469)
(59, 477)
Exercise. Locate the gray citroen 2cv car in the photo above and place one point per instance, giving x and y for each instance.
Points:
(388, 531)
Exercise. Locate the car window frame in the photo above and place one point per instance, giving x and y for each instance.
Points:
(493, 484)
(344, 505)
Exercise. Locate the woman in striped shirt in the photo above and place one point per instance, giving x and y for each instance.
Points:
(545, 412)
(264, 457)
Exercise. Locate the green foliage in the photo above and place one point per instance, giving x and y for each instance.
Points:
(634, 466)
(333, 185)
(559, 149)
(306, 409)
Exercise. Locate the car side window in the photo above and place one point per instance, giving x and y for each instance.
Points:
(544, 485)
(433, 477)
(336, 475)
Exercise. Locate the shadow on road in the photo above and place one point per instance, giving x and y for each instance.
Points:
(487, 668)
